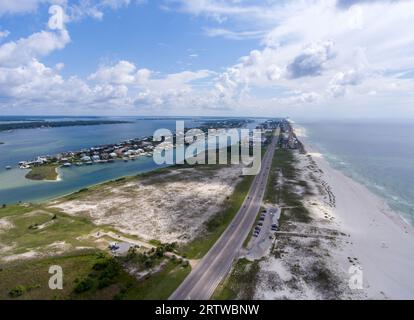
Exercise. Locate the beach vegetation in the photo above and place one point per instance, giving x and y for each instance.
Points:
(241, 282)
(45, 172)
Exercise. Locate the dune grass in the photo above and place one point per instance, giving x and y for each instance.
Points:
(240, 284)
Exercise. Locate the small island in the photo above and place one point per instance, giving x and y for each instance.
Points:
(47, 172)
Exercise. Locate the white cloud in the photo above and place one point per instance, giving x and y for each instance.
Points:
(121, 73)
(222, 10)
(22, 6)
(314, 53)
(4, 34)
(341, 80)
(74, 9)
(15, 53)
(311, 61)
(96, 9)
(323, 50)
(233, 35)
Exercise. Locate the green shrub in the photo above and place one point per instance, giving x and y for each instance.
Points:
(104, 282)
(84, 285)
(17, 291)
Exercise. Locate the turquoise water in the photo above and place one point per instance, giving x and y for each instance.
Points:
(377, 154)
(26, 144)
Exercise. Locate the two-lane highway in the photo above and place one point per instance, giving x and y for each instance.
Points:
(214, 266)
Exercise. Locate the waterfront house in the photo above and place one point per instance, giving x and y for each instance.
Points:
(63, 160)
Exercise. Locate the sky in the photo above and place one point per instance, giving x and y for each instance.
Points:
(303, 59)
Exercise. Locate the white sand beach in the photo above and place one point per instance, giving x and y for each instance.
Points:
(380, 240)
(352, 235)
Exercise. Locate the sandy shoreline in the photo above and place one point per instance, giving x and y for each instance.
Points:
(379, 238)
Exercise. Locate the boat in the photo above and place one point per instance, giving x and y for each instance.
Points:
(125, 159)
(8, 168)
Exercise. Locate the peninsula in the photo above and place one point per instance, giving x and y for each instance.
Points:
(55, 124)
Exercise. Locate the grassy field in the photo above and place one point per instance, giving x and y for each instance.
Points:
(240, 284)
(34, 228)
(42, 173)
(33, 276)
(87, 275)
(160, 285)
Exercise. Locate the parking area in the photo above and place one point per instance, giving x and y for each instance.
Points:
(263, 233)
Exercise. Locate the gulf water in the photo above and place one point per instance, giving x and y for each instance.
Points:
(379, 154)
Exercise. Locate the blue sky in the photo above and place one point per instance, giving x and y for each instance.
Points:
(308, 58)
(145, 34)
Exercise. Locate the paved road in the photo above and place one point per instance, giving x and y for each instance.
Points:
(211, 270)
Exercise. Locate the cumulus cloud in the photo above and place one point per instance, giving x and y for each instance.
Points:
(121, 73)
(322, 49)
(313, 52)
(15, 53)
(341, 80)
(312, 60)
